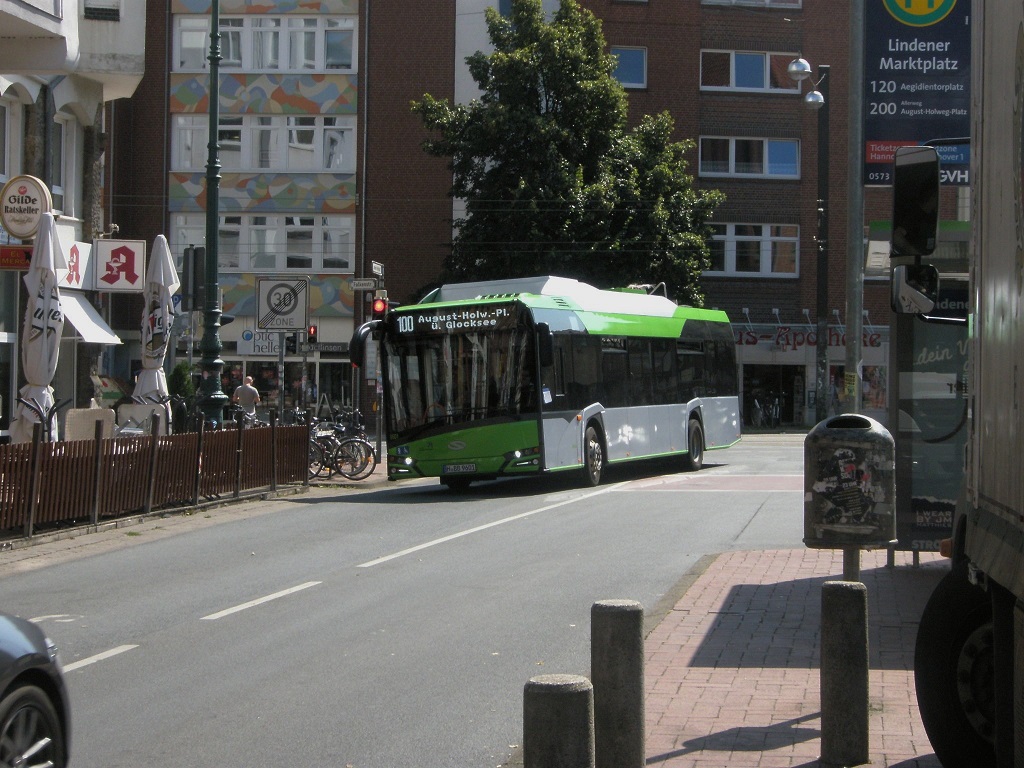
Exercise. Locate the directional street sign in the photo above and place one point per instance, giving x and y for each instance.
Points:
(364, 284)
(323, 346)
(282, 303)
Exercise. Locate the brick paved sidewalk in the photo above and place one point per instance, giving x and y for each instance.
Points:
(732, 671)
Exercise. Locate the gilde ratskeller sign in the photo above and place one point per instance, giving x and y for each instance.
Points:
(23, 202)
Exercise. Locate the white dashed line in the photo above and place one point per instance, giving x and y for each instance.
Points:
(98, 657)
(259, 601)
(477, 529)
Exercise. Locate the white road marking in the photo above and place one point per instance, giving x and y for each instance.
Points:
(259, 601)
(477, 529)
(98, 657)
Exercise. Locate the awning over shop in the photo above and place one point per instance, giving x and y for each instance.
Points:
(83, 315)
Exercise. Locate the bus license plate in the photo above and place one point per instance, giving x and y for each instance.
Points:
(454, 469)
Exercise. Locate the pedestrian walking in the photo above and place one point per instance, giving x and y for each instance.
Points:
(247, 396)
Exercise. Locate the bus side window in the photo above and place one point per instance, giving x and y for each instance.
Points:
(690, 364)
(614, 374)
(722, 360)
(664, 371)
(640, 372)
(586, 371)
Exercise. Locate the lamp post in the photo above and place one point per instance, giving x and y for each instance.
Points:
(211, 397)
(817, 99)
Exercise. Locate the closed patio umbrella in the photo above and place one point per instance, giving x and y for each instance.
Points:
(40, 336)
(157, 316)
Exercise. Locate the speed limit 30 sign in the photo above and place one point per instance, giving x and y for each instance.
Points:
(282, 303)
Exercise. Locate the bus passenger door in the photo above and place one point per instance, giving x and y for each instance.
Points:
(563, 431)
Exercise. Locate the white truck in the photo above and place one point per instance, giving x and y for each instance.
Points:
(969, 661)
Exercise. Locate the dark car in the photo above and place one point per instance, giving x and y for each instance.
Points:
(35, 715)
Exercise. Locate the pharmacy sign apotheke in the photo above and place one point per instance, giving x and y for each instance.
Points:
(23, 202)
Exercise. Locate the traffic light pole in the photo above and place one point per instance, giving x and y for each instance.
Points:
(378, 269)
(281, 336)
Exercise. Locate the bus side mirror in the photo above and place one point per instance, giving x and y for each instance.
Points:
(545, 345)
(915, 201)
(357, 346)
(915, 289)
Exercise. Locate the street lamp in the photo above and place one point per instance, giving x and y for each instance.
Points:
(211, 397)
(817, 99)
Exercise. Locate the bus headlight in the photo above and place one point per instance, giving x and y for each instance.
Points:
(523, 457)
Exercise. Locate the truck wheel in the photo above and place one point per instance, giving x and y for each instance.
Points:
(953, 673)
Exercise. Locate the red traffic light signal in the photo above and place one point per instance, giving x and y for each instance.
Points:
(311, 335)
(379, 308)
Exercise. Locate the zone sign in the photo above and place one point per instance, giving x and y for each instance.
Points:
(282, 303)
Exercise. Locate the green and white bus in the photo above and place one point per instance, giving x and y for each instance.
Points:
(548, 374)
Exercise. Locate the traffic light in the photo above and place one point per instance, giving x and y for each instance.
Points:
(379, 308)
(291, 343)
(193, 286)
(311, 335)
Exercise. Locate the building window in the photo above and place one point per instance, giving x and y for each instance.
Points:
(102, 10)
(746, 71)
(760, 158)
(339, 45)
(749, 250)
(269, 43)
(311, 144)
(631, 70)
(193, 42)
(250, 243)
(61, 171)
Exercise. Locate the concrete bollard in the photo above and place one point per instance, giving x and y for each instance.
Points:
(558, 722)
(844, 673)
(617, 671)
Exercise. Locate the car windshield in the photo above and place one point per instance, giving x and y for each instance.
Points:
(456, 378)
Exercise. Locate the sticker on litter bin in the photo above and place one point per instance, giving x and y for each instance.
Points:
(849, 489)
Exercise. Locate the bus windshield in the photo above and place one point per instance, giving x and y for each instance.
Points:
(459, 377)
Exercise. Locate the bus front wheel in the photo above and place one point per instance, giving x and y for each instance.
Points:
(593, 456)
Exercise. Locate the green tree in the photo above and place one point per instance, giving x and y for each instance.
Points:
(553, 181)
(179, 382)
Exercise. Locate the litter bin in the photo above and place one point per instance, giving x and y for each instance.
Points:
(849, 484)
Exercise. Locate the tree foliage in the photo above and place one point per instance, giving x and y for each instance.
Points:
(552, 179)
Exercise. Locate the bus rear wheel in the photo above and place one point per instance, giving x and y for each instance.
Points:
(695, 446)
(593, 456)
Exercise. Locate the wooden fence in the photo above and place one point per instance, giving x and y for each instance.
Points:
(48, 485)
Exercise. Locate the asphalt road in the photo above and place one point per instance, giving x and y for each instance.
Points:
(388, 627)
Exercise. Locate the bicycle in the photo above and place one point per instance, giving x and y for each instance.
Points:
(234, 413)
(318, 464)
(322, 444)
(354, 458)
